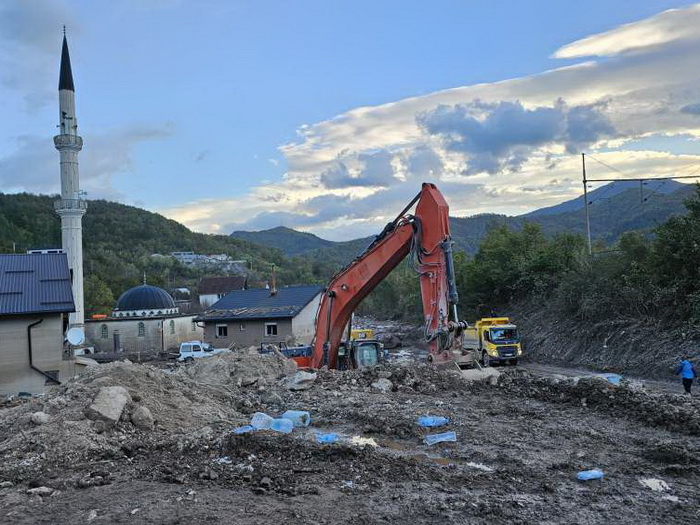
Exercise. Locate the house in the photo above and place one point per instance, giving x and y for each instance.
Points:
(251, 317)
(146, 320)
(35, 299)
(211, 289)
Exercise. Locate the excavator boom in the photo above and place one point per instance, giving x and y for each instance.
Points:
(425, 236)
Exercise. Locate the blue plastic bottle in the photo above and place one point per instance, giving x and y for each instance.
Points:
(432, 421)
(439, 438)
(586, 475)
(300, 418)
(282, 425)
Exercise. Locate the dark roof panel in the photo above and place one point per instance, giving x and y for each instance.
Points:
(259, 304)
(144, 297)
(212, 285)
(34, 284)
(65, 77)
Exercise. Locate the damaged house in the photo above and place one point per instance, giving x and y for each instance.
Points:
(35, 299)
(252, 317)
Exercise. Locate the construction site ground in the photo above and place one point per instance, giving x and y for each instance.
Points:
(521, 440)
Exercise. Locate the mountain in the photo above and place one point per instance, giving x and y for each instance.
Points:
(615, 208)
(608, 191)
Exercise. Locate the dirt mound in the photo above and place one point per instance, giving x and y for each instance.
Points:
(675, 412)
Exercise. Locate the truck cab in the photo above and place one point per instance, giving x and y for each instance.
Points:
(494, 340)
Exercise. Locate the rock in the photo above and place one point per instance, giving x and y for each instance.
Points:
(40, 418)
(266, 483)
(270, 398)
(6, 484)
(383, 385)
(40, 491)
(108, 405)
(384, 374)
(142, 418)
(483, 374)
(247, 381)
(301, 381)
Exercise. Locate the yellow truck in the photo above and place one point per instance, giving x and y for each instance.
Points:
(493, 340)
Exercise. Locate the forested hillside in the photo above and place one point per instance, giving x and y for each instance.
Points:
(119, 242)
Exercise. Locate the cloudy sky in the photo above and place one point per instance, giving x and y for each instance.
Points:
(326, 116)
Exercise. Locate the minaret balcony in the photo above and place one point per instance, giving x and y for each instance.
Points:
(70, 205)
(65, 141)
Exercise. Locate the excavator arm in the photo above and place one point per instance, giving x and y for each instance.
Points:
(425, 236)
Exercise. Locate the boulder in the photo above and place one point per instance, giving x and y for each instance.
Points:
(383, 385)
(142, 418)
(301, 381)
(484, 374)
(40, 418)
(108, 405)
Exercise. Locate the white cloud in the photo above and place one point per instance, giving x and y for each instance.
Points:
(352, 172)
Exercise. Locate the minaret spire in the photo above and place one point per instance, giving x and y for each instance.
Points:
(71, 207)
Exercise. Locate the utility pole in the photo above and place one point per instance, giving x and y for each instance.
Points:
(585, 205)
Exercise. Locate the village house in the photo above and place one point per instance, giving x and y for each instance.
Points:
(35, 299)
(252, 317)
(211, 289)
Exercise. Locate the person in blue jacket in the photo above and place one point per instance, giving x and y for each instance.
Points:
(687, 372)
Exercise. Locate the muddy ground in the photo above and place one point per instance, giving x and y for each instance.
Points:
(521, 440)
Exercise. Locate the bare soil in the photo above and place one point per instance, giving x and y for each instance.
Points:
(520, 443)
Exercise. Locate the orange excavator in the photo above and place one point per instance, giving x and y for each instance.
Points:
(425, 238)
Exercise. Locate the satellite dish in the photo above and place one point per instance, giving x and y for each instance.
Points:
(75, 336)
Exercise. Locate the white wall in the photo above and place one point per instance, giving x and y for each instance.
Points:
(303, 325)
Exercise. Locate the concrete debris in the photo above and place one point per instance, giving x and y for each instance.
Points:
(383, 385)
(41, 491)
(488, 374)
(108, 404)
(657, 485)
(40, 418)
(301, 381)
(142, 418)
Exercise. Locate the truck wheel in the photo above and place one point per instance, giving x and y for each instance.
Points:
(485, 360)
(513, 362)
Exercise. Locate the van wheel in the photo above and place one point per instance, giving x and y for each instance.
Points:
(189, 359)
(485, 360)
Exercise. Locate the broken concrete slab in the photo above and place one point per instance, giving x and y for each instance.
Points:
(40, 418)
(108, 405)
(484, 374)
(301, 381)
(142, 418)
(383, 385)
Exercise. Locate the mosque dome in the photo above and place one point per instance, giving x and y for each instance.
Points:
(144, 301)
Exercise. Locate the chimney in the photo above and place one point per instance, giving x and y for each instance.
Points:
(273, 283)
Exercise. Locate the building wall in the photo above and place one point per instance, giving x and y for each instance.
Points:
(252, 335)
(157, 335)
(206, 300)
(47, 351)
(303, 325)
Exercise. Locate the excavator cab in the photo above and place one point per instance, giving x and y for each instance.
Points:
(360, 353)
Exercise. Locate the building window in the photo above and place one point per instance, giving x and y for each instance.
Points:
(172, 327)
(142, 330)
(194, 326)
(221, 330)
(105, 332)
(242, 327)
(270, 329)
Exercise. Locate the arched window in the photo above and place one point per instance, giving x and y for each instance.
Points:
(172, 327)
(142, 330)
(105, 331)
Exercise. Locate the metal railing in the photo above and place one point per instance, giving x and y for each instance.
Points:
(70, 204)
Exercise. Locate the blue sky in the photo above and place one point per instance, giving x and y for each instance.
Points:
(326, 115)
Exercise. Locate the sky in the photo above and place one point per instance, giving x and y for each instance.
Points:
(326, 116)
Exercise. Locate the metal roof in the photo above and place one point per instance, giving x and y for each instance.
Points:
(65, 77)
(212, 285)
(258, 303)
(35, 283)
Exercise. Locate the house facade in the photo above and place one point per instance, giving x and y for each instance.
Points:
(212, 289)
(251, 317)
(35, 299)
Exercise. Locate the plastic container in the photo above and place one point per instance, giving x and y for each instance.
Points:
(300, 418)
(327, 438)
(282, 425)
(432, 421)
(244, 429)
(261, 421)
(439, 438)
(586, 475)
